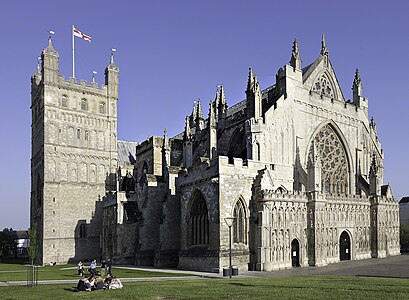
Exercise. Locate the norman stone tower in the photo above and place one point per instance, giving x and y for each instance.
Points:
(74, 141)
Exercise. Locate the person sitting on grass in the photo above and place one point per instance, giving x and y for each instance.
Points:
(107, 281)
(99, 284)
(115, 283)
(81, 285)
(89, 283)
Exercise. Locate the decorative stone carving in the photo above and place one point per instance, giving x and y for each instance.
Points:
(323, 86)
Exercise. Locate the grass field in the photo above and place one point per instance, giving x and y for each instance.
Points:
(18, 272)
(306, 287)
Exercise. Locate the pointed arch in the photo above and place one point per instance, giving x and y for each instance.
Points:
(324, 84)
(198, 219)
(335, 155)
(237, 145)
(240, 221)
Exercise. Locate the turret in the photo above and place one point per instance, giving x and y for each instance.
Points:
(112, 78)
(314, 170)
(253, 97)
(212, 140)
(199, 117)
(49, 59)
(295, 60)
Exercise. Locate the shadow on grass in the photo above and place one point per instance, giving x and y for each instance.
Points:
(73, 289)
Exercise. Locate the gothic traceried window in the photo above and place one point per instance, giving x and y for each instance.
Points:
(323, 86)
(199, 220)
(334, 163)
(239, 223)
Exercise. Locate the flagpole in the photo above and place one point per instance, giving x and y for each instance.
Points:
(73, 63)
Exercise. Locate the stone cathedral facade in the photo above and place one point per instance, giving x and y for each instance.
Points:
(298, 166)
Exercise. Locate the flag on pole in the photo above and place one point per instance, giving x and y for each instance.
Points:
(79, 34)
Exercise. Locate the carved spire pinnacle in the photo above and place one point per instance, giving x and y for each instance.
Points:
(374, 165)
(357, 78)
(212, 117)
(295, 60)
(194, 110)
(324, 49)
(165, 139)
(221, 107)
(199, 116)
(357, 88)
(250, 80)
(373, 125)
(50, 43)
(199, 110)
(187, 135)
(38, 66)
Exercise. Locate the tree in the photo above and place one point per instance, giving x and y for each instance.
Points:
(8, 243)
(404, 237)
(32, 248)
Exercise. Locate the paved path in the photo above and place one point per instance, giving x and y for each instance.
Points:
(395, 266)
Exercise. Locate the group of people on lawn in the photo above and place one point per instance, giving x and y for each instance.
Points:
(97, 281)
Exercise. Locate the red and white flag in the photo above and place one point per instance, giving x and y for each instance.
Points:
(79, 34)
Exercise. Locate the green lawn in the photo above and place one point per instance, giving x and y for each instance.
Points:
(306, 287)
(18, 272)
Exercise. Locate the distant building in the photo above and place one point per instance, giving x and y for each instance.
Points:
(14, 243)
(297, 165)
(404, 210)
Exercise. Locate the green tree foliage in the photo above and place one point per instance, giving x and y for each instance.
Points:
(404, 237)
(8, 243)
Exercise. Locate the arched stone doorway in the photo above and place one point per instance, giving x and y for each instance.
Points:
(295, 253)
(344, 246)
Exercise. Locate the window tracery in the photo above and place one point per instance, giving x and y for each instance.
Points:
(334, 163)
(199, 220)
(323, 86)
(240, 223)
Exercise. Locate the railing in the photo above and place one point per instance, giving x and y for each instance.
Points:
(32, 275)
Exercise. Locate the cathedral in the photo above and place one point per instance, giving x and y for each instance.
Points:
(296, 167)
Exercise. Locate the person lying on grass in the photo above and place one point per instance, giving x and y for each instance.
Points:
(115, 283)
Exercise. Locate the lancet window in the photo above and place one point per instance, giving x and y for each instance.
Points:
(239, 223)
(199, 220)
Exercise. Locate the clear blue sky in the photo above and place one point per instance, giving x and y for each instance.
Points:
(172, 52)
